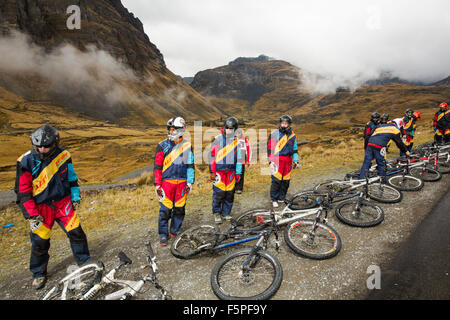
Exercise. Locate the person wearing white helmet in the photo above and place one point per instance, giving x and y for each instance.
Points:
(174, 174)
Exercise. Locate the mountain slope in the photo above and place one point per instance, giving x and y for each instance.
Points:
(108, 69)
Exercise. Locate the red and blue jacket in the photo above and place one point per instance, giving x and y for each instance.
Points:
(368, 129)
(282, 144)
(409, 125)
(383, 133)
(174, 161)
(225, 154)
(44, 181)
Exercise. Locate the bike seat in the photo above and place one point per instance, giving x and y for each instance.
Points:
(124, 260)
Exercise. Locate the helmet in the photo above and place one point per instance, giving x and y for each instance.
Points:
(231, 123)
(179, 124)
(46, 136)
(417, 115)
(409, 112)
(384, 118)
(286, 118)
(443, 105)
(375, 117)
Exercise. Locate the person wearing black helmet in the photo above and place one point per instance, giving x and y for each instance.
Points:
(282, 152)
(225, 166)
(370, 126)
(47, 191)
(441, 124)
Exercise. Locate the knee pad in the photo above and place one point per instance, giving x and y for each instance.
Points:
(179, 211)
(165, 214)
(40, 247)
(77, 235)
(229, 196)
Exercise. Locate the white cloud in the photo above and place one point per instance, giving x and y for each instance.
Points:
(347, 40)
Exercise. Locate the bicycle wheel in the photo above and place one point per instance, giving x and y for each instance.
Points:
(193, 241)
(426, 174)
(383, 193)
(367, 215)
(304, 200)
(332, 187)
(77, 283)
(256, 219)
(442, 166)
(312, 240)
(405, 183)
(260, 281)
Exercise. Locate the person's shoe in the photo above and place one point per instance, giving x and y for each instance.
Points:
(172, 235)
(274, 204)
(163, 242)
(38, 283)
(238, 191)
(217, 218)
(281, 201)
(227, 218)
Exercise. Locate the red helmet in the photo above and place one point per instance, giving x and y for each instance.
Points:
(443, 105)
(417, 115)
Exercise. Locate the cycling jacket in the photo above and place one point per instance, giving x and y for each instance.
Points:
(282, 144)
(44, 181)
(174, 161)
(383, 133)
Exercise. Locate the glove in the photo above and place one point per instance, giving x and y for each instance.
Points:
(238, 178)
(75, 204)
(36, 222)
(188, 188)
(294, 165)
(212, 177)
(159, 191)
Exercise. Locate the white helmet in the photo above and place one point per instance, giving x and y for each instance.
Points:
(179, 124)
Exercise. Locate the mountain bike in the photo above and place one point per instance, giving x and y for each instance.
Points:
(249, 274)
(87, 281)
(353, 207)
(376, 190)
(397, 175)
(435, 157)
(310, 238)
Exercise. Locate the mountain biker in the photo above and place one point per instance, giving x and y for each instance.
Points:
(282, 152)
(225, 167)
(409, 127)
(441, 124)
(47, 191)
(373, 122)
(376, 147)
(246, 153)
(174, 174)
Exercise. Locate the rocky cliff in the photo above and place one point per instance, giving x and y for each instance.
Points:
(143, 92)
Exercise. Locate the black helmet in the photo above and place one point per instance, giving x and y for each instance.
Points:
(375, 115)
(231, 123)
(46, 136)
(286, 118)
(409, 112)
(384, 118)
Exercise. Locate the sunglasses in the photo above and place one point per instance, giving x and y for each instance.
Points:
(46, 146)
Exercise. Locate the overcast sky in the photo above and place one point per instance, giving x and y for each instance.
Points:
(344, 39)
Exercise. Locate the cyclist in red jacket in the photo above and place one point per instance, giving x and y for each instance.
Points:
(47, 191)
(174, 175)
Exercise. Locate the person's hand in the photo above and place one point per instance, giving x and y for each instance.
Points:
(75, 204)
(238, 178)
(212, 177)
(159, 191)
(36, 222)
(188, 188)
(408, 153)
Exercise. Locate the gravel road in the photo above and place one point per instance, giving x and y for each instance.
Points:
(342, 277)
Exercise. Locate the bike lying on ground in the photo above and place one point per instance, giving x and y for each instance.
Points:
(353, 207)
(310, 238)
(435, 157)
(86, 282)
(249, 274)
